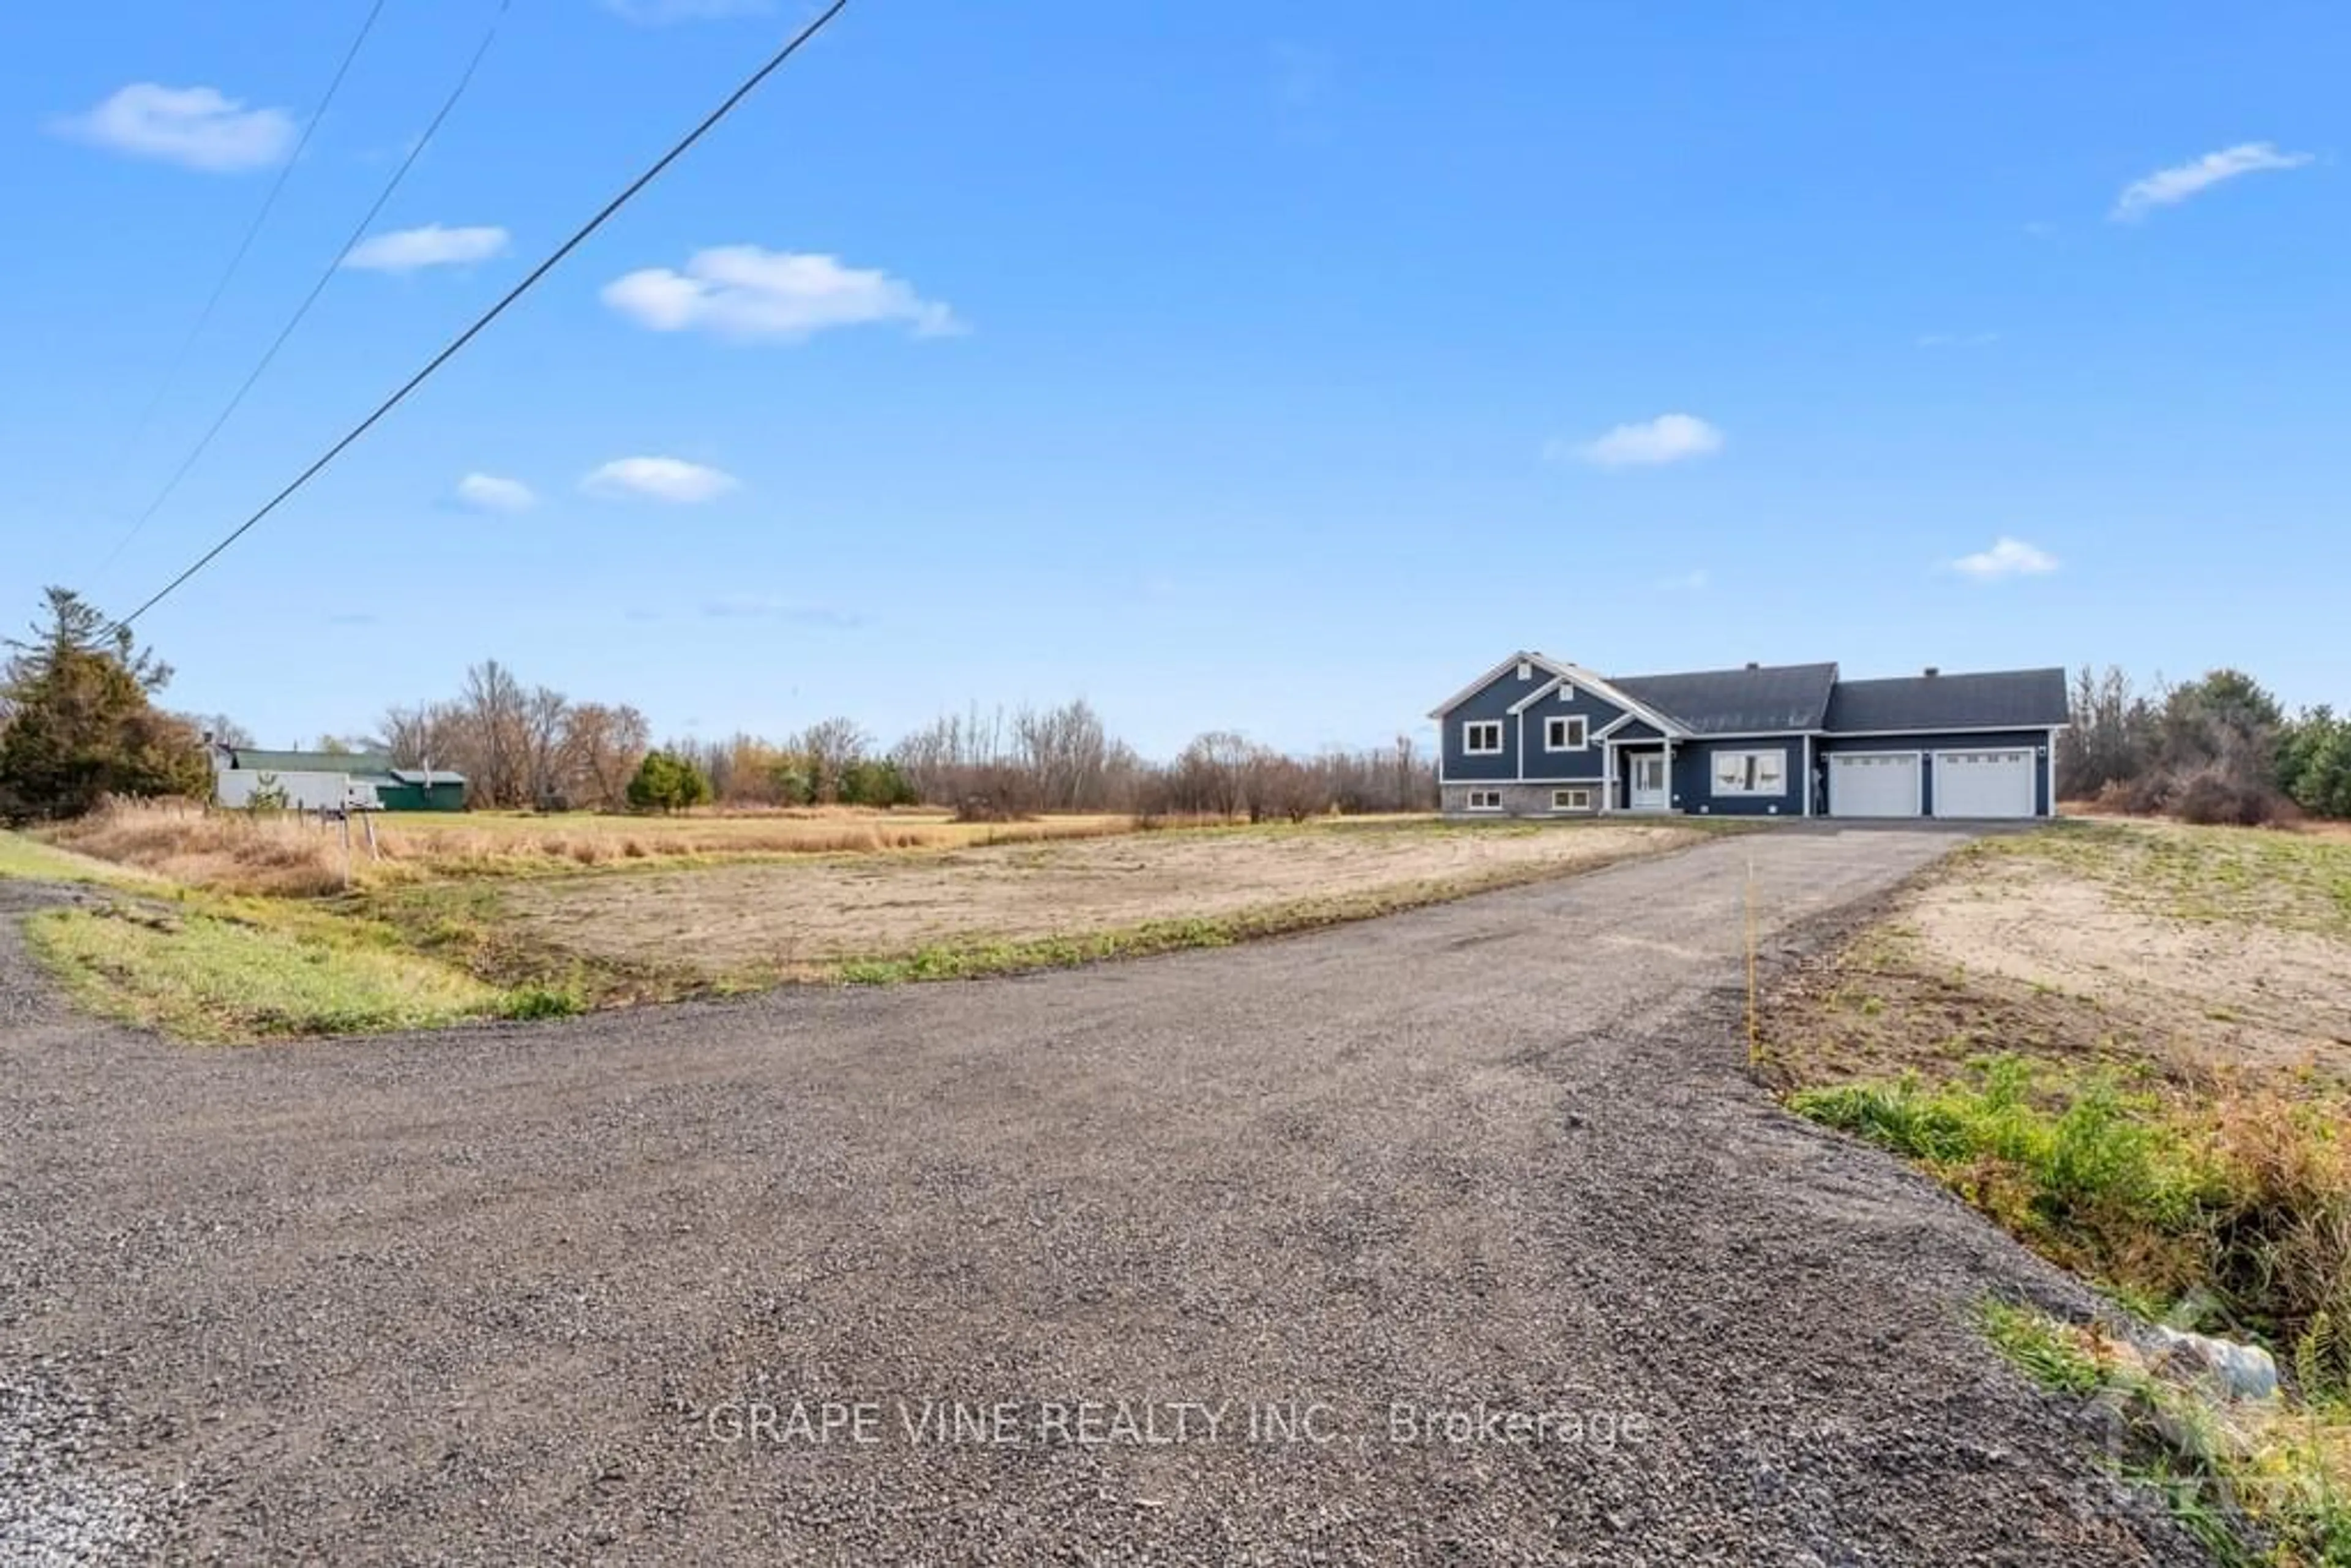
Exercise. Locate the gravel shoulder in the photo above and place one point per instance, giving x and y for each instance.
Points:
(490, 1293)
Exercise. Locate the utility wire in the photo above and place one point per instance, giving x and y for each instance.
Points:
(253, 230)
(358, 233)
(750, 83)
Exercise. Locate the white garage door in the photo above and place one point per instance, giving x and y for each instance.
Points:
(1983, 784)
(1874, 784)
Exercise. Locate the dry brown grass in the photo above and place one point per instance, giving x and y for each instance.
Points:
(288, 855)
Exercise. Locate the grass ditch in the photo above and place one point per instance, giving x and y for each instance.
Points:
(2091, 1094)
(2227, 1205)
(2258, 1483)
(216, 969)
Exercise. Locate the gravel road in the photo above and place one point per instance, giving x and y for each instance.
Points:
(1458, 1236)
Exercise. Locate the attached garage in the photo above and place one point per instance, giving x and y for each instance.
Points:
(1988, 783)
(1875, 784)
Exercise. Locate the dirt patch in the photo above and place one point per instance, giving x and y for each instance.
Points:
(787, 916)
(2051, 955)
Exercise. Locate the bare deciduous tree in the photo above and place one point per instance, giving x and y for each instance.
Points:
(606, 745)
(831, 745)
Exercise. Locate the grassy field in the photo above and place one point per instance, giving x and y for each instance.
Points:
(510, 916)
(291, 855)
(2127, 1044)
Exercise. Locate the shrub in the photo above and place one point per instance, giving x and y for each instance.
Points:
(2213, 795)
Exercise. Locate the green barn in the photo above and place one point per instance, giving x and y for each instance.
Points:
(312, 781)
(417, 788)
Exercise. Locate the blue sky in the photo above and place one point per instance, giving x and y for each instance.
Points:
(1270, 368)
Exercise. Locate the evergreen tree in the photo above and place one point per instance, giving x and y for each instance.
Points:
(667, 782)
(77, 723)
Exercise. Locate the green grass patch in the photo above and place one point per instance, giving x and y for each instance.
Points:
(2235, 1192)
(2043, 1346)
(212, 977)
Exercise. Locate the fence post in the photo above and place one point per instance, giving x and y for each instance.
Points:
(1754, 1040)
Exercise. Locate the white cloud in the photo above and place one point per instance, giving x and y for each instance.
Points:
(655, 13)
(2167, 187)
(2007, 557)
(198, 127)
(1668, 438)
(743, 291)
(765, 607)
(405, 250)
(671, 479)
(488, 493)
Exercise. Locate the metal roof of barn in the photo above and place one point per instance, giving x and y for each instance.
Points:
(251, 759)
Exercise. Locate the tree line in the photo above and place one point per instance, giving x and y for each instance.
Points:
(529, 747)
(79, 722)
(2216, 749)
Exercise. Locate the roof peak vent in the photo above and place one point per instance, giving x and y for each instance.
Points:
(1932, 672)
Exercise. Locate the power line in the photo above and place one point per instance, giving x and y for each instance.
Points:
(358, 233)
(253, 230)
(750, 83)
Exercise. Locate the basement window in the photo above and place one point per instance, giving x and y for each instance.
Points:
(1750, 772)
(1482, 737)
(1571, 800)
(1485, 801)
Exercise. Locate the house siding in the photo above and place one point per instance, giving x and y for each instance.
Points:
(2037, 741)
(1524, 758)
(1693, 779)
(1588, 766)
(1491, 701)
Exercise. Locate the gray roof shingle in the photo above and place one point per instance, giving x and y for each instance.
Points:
(1753, 701)
(1996, 699)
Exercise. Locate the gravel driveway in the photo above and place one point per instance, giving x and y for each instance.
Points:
(1458, 1236)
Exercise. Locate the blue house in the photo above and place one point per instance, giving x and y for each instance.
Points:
(1535, 737)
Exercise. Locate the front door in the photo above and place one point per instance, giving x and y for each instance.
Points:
(1649, 781)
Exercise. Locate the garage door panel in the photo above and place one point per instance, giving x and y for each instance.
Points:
(1990, 783)
(1874, 784)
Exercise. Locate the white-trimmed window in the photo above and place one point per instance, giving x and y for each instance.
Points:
(1566, 732)
(1485, 801)
(1571, 800)
(1481, 737)
(1750, 772)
